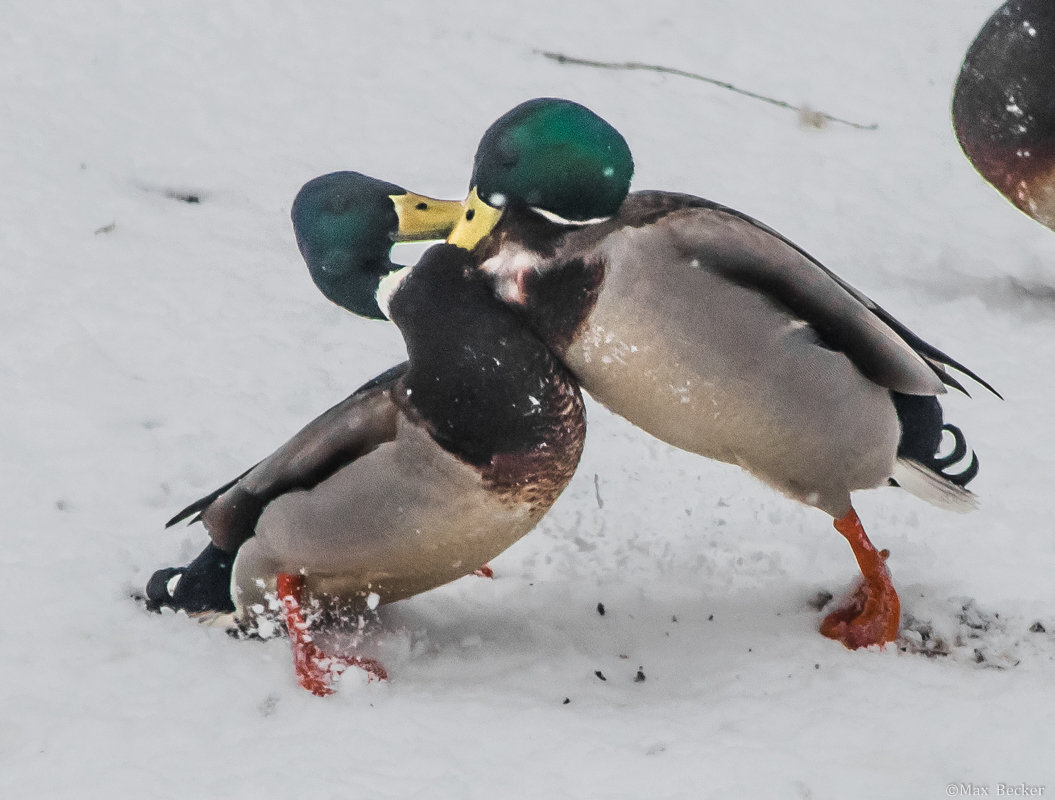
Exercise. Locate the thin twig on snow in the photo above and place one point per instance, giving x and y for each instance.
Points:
(809, 115)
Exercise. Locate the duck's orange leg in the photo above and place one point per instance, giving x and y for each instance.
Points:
(484, 572)
(873, 612)
(314, 668)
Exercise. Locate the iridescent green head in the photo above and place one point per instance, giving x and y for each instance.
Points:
(346, 224)
(549, 155)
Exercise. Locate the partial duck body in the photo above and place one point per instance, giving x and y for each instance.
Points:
(711, 331)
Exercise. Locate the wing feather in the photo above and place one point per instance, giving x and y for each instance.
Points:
(355, 426)
(746, 252)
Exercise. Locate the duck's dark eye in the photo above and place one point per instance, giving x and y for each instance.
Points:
(421, 206)
(470, 214)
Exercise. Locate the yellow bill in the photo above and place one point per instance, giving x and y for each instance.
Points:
(476, 221)
(422, 218)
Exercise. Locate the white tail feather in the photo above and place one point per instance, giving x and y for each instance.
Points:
(928, 485)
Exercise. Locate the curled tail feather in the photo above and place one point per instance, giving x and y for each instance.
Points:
(940, 463)
(920, 468)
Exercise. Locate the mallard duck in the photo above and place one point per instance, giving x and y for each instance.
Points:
(1002, 106)
(416, 479)
(712, 332)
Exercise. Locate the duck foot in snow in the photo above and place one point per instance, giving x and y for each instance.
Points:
(315, 670)
(873, 612)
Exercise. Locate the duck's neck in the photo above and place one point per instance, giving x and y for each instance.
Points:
(356, 295)
(547, 272)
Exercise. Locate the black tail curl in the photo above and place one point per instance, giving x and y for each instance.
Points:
(922, 429)
(939, 463)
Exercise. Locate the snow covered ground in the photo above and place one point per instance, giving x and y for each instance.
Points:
(151, 348)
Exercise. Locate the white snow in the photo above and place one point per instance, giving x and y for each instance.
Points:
(151, 349)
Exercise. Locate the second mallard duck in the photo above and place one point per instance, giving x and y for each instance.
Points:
(712, 331)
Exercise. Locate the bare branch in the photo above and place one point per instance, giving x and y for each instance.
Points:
(806, 114)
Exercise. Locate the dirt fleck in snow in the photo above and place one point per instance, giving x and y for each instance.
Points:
(962, 630)
(820, 600)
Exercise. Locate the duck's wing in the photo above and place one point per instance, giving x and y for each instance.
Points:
(751, 254)
(204, 502)
(935, 358)
(355, 426)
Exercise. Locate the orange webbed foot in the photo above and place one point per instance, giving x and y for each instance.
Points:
(484, 572)
(872, 614)
(315, 670)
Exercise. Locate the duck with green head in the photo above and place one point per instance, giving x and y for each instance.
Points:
(417, 478)
(712, 332)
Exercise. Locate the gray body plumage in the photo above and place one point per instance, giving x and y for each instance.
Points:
(715, 334)
(402, 518)
(362, 501)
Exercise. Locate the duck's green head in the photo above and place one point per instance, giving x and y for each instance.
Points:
(346, 224)
(551, 156)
